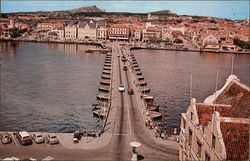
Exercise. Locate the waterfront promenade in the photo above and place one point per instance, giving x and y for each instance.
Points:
(125, 123)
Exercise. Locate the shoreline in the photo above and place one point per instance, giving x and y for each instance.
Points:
(132, 48)
(192, 50)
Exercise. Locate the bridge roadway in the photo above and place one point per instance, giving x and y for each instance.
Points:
(127, 126)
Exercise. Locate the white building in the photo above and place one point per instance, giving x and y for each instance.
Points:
(102, 33)
(71, 32)
(217, 129)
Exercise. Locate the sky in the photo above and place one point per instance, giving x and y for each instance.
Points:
(236, 10)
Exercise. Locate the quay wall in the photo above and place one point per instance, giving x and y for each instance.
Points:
(192, 50)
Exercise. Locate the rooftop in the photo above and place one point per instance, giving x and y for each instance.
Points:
(236, 139)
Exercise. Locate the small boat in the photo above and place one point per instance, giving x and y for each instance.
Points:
(134, 62)
(142, 83)
(151, 106)
(104, 88)
(105, 76)
(154, 115)
(107, 65)
(106, 72)
(100, 105)
(106, 68)
(148, 98)
(145, 90)
(103, 97)
(135, 65)
(105, 82)
(140, 77)
(107, 62)
(100, 113)
(138, 73)
(107, 59)
(137, 69)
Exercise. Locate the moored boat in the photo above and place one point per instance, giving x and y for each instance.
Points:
(140, 77)
(154, 115)
(101, 113)
(103, 97)
(105, 82)
(105, 76)
(100, 105)
(104, 88)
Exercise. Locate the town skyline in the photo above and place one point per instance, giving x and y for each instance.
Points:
(235, 10)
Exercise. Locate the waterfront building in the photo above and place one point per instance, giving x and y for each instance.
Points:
(102, 33)
(90, 30)
(151, 34)
(119, 32)
(7, 28)
(60, 32)
(87, 30)
(71, 32)
(217, 129)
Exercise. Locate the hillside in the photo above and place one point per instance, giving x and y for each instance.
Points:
(86, 9)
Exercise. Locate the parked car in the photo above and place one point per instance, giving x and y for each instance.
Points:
(38, 138)
(5, 138)
(24, 138)
(121, 88)
(52, 139)
(130, 91)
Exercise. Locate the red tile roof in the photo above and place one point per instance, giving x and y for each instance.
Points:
(205, 112)
(119, 26)
(236, 95)
(236, 140)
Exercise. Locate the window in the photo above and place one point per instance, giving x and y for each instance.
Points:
(191, 117)
(190, 137)
(207, 157)
(213, 140)
(198, 147)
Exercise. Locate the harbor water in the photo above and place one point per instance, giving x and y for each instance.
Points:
(51, 87)
(168, 74)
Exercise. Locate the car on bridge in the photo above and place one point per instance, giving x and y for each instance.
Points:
(130, 91)
(121, 88)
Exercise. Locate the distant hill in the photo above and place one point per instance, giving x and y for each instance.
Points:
(86, 9)
(162, 12)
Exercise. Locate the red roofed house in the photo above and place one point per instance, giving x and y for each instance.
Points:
(151, 34)
(118, 32)
(217, 129)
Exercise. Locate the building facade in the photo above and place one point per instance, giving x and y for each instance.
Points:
(87, 30)
(102, 33)
(119, 32)
(217, 129)
(71, 32)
